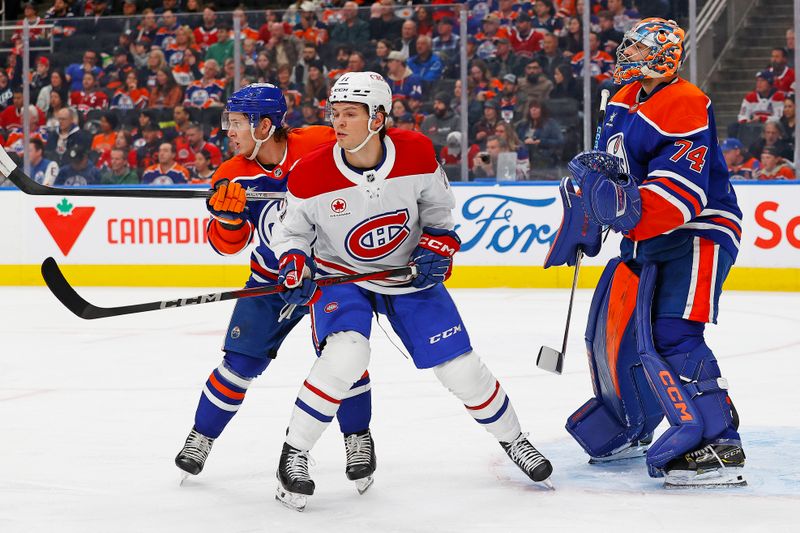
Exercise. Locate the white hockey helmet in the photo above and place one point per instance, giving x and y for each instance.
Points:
(363, 88)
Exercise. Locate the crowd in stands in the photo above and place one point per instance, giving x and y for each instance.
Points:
(760, 145)
(138, 98)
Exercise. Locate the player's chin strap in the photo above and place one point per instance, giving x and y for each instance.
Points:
(366, 139)
(259, 142)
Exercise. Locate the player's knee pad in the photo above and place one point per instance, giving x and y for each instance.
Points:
(244, 365)
(624, 408)
(465, 376)
(342, 362)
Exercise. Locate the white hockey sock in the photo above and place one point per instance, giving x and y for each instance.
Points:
(468, 378)
(344, 359)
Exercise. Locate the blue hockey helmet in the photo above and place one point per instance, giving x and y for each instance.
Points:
(257, 101)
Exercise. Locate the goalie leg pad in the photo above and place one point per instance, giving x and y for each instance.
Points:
(576, 230)
(624, 409)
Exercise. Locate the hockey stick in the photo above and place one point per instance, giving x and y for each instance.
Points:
(15, 175)
(551, 359)
(73, 301)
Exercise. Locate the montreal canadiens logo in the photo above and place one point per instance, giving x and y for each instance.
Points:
(338, 205)
(331, 307)
(379, 236)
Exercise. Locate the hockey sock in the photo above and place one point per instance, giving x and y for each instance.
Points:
(471, 382)
(355, 412)
(344, 358)
(224, 392)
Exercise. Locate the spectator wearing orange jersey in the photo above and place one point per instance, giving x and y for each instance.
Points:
(773, 166)
(130, 96)
(309, 29)
(166, 93)
(245, 31)
(741, 165)
(104, 141)
(490, 32)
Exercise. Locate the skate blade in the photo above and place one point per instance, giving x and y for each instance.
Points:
(363, 484)
(547, 483)
(714, 479)
(184, 477)
(292, 500)
(632, 452)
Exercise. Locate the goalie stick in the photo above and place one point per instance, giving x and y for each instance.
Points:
(26, 184)
(550, 359)
(73, 301)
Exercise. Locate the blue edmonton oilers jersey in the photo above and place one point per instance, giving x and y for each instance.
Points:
(668, 143)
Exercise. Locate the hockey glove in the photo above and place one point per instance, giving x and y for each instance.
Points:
(228, 204)
(577, 231)
(434, 256)
(296, 273)
(610, 197)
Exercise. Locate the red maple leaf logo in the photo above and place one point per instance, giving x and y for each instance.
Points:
(338, 205)
(64, 223)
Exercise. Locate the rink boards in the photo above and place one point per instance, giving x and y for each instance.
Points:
(506, 231)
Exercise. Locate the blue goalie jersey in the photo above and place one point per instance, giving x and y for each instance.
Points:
(667, 141)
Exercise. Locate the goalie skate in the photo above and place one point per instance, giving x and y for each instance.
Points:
(629, 451)
(717, 465)
(361, 460)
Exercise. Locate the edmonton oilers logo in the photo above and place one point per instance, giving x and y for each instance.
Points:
(379, 236)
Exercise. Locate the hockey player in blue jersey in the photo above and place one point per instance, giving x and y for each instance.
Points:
(660, 179)
(266, 151)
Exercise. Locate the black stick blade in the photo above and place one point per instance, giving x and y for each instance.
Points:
(62, 290)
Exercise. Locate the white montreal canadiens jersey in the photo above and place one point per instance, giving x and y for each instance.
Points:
(360, 222)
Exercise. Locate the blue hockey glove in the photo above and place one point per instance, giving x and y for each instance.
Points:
(228, 204)
(296, 273)
(610, 197)
(434, 256)
(576, 230)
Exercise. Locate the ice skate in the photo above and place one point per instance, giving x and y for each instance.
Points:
(631, 450)
(294, 483)
(361, 461)
(529, 460)
(193, 455)
(719, 464)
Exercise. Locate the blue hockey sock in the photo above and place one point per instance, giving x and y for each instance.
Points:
(355, 412)
(224, 392)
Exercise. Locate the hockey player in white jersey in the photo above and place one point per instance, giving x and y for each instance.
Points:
(373, 200)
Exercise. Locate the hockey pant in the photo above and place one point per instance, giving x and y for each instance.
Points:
(346, 355)
(636, 385)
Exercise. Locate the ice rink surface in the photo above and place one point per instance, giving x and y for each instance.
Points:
(93, 413)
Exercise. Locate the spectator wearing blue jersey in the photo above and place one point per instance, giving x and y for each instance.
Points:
(43, 170)
(75, 71)
(401, 79)
(426, 64)
(78, 170)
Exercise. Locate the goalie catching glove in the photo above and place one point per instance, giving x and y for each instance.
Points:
(296, 273)
(610, 197)
(228, 204)
(433, 256)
